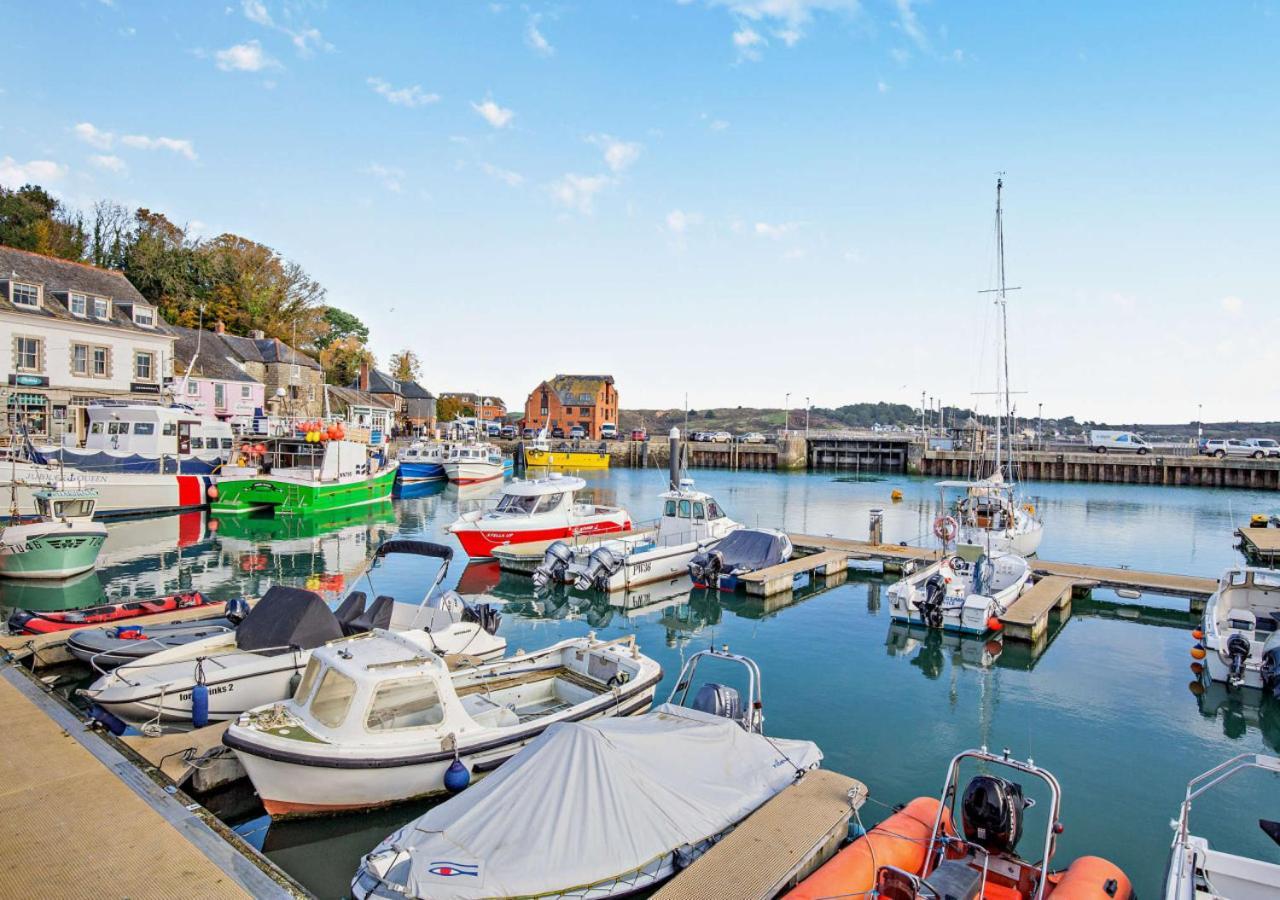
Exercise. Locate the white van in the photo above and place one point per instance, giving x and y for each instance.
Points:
(608, 431)
(1120, 441)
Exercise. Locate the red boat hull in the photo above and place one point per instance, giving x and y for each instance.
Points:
(479, 544)
(44, 623)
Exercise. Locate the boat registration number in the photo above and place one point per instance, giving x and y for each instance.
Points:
(216, 689)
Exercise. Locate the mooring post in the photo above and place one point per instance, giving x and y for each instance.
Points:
(877, 526)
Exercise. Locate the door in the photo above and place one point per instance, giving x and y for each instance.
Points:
(184, 438)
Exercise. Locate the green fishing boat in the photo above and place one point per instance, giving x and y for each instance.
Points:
(347, 475)
(63, 540)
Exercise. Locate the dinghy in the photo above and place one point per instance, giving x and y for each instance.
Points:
(741, 551)
(25, 621)
(960, 594)
(257, 663)
(105, 648)
(597, 809)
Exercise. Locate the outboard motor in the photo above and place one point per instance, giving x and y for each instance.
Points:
(1271, 665)
(483, 614)
(718, 700)
(1238, 649)
(705, 567)
(992, 813)
(237, 609)
(935, 591)
(553, 566)
(602, 564)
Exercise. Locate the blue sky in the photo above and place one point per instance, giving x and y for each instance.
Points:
(730, 198)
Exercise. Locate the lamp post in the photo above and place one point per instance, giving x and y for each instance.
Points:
(1040, 424)
(786, 412)
(807, 407)
(1199, 422)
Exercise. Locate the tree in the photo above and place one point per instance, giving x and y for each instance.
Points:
(32, 219)
(405, 366)
(341, 360)
(262, 290)
(342, 325)
(109, 235)
(163, 264)
(450, 408)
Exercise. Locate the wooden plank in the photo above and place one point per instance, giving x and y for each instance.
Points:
(1027, 618)
(796, 565)
(777, 845)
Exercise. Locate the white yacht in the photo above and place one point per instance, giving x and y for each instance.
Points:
(474, 463)
(960, 594)
(1239, 640)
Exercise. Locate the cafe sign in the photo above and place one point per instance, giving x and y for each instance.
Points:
(29, 380)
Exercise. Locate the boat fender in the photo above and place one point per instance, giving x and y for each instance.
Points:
(237, 608)
(200, 698)
(294, 680)
(456, 777)
(108, 720)
(212, 492)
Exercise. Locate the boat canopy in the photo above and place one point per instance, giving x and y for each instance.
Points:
(553, 484)
(589, 802)
(288, 617)
(419, 548)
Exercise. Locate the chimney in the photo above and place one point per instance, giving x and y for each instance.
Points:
(364, 375)
(257, 334)
(219, 327)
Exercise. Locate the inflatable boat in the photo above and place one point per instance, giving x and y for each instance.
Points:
(25, 621)
(105, 648)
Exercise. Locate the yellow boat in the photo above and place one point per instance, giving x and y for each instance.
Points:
(567, 458)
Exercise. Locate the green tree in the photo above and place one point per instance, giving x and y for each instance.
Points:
(264, 290)
(342, 325)
(32, 219)
(341, 360)
(405, 366)
(450, 408)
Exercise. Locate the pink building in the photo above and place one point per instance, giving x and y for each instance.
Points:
(216, 385)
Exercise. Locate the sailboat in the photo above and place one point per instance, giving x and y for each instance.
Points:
(991, 515)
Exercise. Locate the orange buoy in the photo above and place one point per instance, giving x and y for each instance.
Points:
(1197, 669)
(1093, 878)
(1196, 687)
(213, 526)
(212, 492)
(900, 840)
(1198, 634)
(1197, 652)
(994, 624)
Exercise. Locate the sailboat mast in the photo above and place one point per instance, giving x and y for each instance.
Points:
(1004, 320)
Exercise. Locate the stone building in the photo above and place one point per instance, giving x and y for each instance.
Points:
(568, 400)
(208, 378)
(294, 382)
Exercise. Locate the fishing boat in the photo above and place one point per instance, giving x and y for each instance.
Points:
(919, 853)
(381, 719)
(990, 514)
(606, 808)
(563, 455)
(26, 621)
(542, 509)
(347, 474)
(1239, 638)
(1196, 871)
(475, 463)
(63, 540)
(256, 663)
(422, 461)
(960, 592)
(742, 551)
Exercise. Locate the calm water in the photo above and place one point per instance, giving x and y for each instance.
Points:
(1106, 707)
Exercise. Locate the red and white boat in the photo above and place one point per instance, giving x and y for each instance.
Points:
(538, 510)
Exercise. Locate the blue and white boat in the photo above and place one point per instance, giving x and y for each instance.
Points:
(144, 438)
(422, 461)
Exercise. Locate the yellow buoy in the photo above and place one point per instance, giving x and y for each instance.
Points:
(1257, 521)
(1030, 508)
(896, 495)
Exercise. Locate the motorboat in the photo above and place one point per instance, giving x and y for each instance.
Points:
(473, 463)
(380, 718)
(114, 645)
(1197, 871)
(257, 663)
(960, 592)
(691, 522)
(541, 509)
(422, 461)
(743, 550)
(62, 540)
(29, 621)
(348, 474)
(598, 809)
(564, 455)
(1238, 639)
(989, 515)
(920, 853)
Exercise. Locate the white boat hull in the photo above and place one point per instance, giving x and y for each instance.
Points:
(472, 471)
(1016, 542)
(119, 493)
(965, 612)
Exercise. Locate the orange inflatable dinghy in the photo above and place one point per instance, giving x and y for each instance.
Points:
(1090, 878)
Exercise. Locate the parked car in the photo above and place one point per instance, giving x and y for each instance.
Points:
(721, 437)
(1266, 446)
(753, 437)
(608, 432)
(493, 429)
(639, 434)
(529, 434)
(700, 436)
(1221, 447)
(1121, 441)
(557, 432)
(509, 432)
(577, 432)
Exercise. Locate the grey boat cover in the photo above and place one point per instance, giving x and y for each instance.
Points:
(91, 642)
(587, 803)
(750, 549)
(288, 617)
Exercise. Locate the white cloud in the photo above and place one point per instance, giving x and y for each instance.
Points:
(775, 232)
(305, 39)
(578, 191)
(506, 176)
(678, 221)
(910, 24)
(257, 13)
(535, 38)
(618, 154)
(791, 17)
(1232, 305)
(110, 163)
(246, 57)
(494, 114)
(391, 177)
(94, 136)
(788, 36)
(180, 146)
(882, 86)
(14, 174)
(410, 96)
(748, 41)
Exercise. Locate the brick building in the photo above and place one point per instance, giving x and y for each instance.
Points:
(488, 409)
(568, 400)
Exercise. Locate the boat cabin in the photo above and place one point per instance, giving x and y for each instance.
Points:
(538, 496)
(62, 505)
(1248, 602)
(475, 453)
(424, 452)
(985, 504)
(691, 515)
(153, 430)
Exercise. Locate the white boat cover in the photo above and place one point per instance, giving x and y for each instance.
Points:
(588, 802)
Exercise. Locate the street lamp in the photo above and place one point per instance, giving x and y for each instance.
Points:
(786, 412)
(1199, 422)
(807, 407)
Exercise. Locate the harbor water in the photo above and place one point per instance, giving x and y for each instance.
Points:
(1108, 705)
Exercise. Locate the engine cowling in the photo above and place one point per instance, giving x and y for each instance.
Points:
(601, 565)
(705, 568)
(555, 562)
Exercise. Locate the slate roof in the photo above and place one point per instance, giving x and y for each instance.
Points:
(268, 351)
(215, 359)
(60, 276)
(414, 391)
(570, 388)
(352, 397)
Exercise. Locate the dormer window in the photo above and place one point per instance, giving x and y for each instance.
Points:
(101, 308)
(144, 316)
(23, 294)
(78, 304)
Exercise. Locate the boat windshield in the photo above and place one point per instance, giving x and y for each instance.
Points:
(713, 509)
(548, 502)
(511, 503)
(308, 681)
(405, 703)
(333, 698)
(73, 509)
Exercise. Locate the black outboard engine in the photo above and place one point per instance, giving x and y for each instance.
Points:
(992, 813)
(705, 567)
(483, 614)
(1271, 663)
(237, 608)
(1238, 649)
(601, 566)
(935, 591)
(555, 562)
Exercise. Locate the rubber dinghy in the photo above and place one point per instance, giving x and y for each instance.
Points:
(26, 621)
(596, 809)
(105, 648)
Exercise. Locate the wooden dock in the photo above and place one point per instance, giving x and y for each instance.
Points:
(1027, 618)
(777, 845)
(780, 578)
(1260, 545)
(197, 755)
(80, 820)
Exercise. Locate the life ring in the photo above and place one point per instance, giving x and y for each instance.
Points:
(945, 528)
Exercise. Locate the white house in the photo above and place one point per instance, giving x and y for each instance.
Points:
(71, 333)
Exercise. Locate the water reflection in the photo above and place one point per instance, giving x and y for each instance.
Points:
(1241, 711)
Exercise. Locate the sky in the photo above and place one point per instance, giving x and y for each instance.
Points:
(733, 200)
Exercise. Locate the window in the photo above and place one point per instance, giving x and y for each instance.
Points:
(144, 316)
(226, 443)
(95, 428)
(713, 510)
(670, 508)
(78, 304)
(26, 354)
(144, 428)
(549, 502)
(404, 703)
(245, 392)
(308, 681)
(219, 395)
(169, 429)
(333, 698)
(101, 359)
(143, 369)
(72, 509)
(100, 307)
(684, 509)
(80, 359)
(24, 294)
(699, 511)
(197, 443)
(193, 389)
(117, 428)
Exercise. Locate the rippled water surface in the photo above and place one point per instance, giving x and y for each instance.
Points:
(1106, 706)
